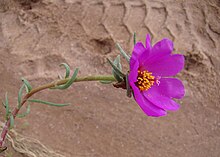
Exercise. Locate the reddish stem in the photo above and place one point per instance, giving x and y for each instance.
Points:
(16, 109)
(7, 123)
(40, 88)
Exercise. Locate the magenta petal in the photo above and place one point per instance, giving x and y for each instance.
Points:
(148, 43)
(163, 47)
(143, 56)
(170, 87)
(159, 50)
(138, 50)
(148, 108)
(167, 66)
(134, 65)
(161, 100)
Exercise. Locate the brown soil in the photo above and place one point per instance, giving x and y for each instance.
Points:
(37, 35)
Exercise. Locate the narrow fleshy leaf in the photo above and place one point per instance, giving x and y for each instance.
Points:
(47, 103)
(117, 62)
(134, 38)
(67, 69)
(6, 104)
(20, 95)
(27, 84)
(11, 121)
(26, 112)
(128, 87)
(117, 70)
(118, 65)
(70, 82)
(123, 53)
(105, 82)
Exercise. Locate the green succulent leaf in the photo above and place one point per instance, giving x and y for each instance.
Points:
(11, 121)
(123, 53)
(20, 95)
(134, 38)
(67, 69)
(128, 87)
(116, 69)
(117, 62)
(27, 85)
(47, 103)
(70, 82)
(26, 112)
(6, 104)
(118, 65)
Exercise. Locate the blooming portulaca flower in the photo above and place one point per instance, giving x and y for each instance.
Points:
(149, 77)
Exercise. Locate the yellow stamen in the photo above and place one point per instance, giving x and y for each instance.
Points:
(144, 80)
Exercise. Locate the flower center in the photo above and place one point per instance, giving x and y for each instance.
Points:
(144, 80)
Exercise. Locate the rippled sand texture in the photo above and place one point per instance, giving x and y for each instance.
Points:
(36, 36)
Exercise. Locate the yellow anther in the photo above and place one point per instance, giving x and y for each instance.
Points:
(145, 80)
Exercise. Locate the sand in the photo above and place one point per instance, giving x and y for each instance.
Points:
(37, 35)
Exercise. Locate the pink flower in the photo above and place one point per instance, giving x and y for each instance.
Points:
(149, 77)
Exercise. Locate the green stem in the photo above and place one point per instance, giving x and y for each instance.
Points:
(47, 86)
(96, 78)
(79, 79)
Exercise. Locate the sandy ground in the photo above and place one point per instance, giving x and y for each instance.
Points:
(37, 35)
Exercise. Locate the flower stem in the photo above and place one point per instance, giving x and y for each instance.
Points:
(96, 78)
(46, 86)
